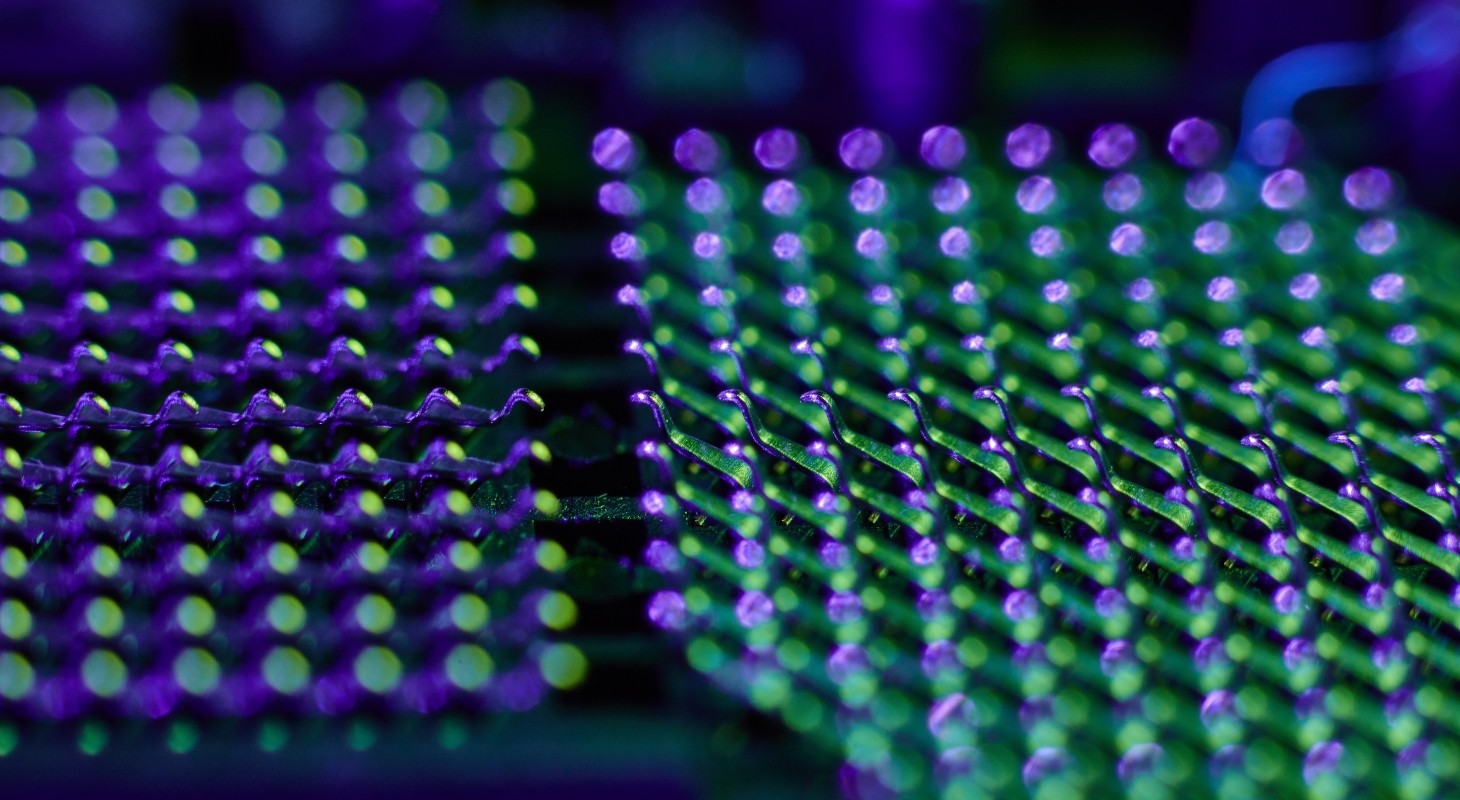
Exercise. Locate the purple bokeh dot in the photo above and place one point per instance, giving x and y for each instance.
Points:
(872, 243)
(955, 243)
(1020, 605)
(1112, 145)
(666, 610)
(697, 151)
(1046, 241)
(1205, 191)
(614, 150)
(1141, 290)
(1122, 192)
(1056, 291)
(868, 195)
(1284, 189)
(1212, 237)
(1109, 602)
(949, 195)
(923, 552)
(835, 555)
(1376, 237)
(1305, 286)
(845, 661)
(843, 607)
(754, 608)
(705, 196)
(1294, 237)
(1028, 145)
(1275, 142)
(1368, 188)
(626, 247)
(1194, 143)
(1388, 287)
(709, 245)
(1036, 194)
(1127, 239)
(619, 199)
(777, 148)
(1322, 758)
(663, 556)
(1219, 705)
(862, 149)
(749, 554)
(781, 198)
(943, 147)
(1286, 600)
(787, 246)
(1222, 289)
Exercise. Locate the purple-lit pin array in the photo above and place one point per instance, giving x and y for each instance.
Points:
(1007, 474)
(256, 408)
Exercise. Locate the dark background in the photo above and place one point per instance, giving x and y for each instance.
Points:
(816, 65)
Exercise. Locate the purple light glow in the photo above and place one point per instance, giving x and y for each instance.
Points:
(781, 198)
(754, 608)
(1036, 194)
(1056, 291)
(835, 555)
(1305, 286)
(843, 608)
(697, 151)
(1046, 242)
(862, 149)
(1194, 143)
(777, 149)
(949, 195)
(1212, 237)
(619, 199)
(1376, 237)
(1028, 145)
(709, 246)
(749, 554)
(1368, 188)
(1127, 239)
(1122, 192)
(626, 247)
(666, 610)
(615, 150)
(663, 556)
(1111, 146)
(787, 247)
(1294, 237)
(1284, 189)
(872, 244)
(868, 195)
(1388, 287)
(943, 147)
(1275, 142)
(1222, 289)
(1205, 191)
(1141, 290)
(955, 243)
(705, 196)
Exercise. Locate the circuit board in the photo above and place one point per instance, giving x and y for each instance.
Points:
(342, 429)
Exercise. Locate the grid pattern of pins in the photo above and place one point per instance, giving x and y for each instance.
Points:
(259, 455)
(1028, 473)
